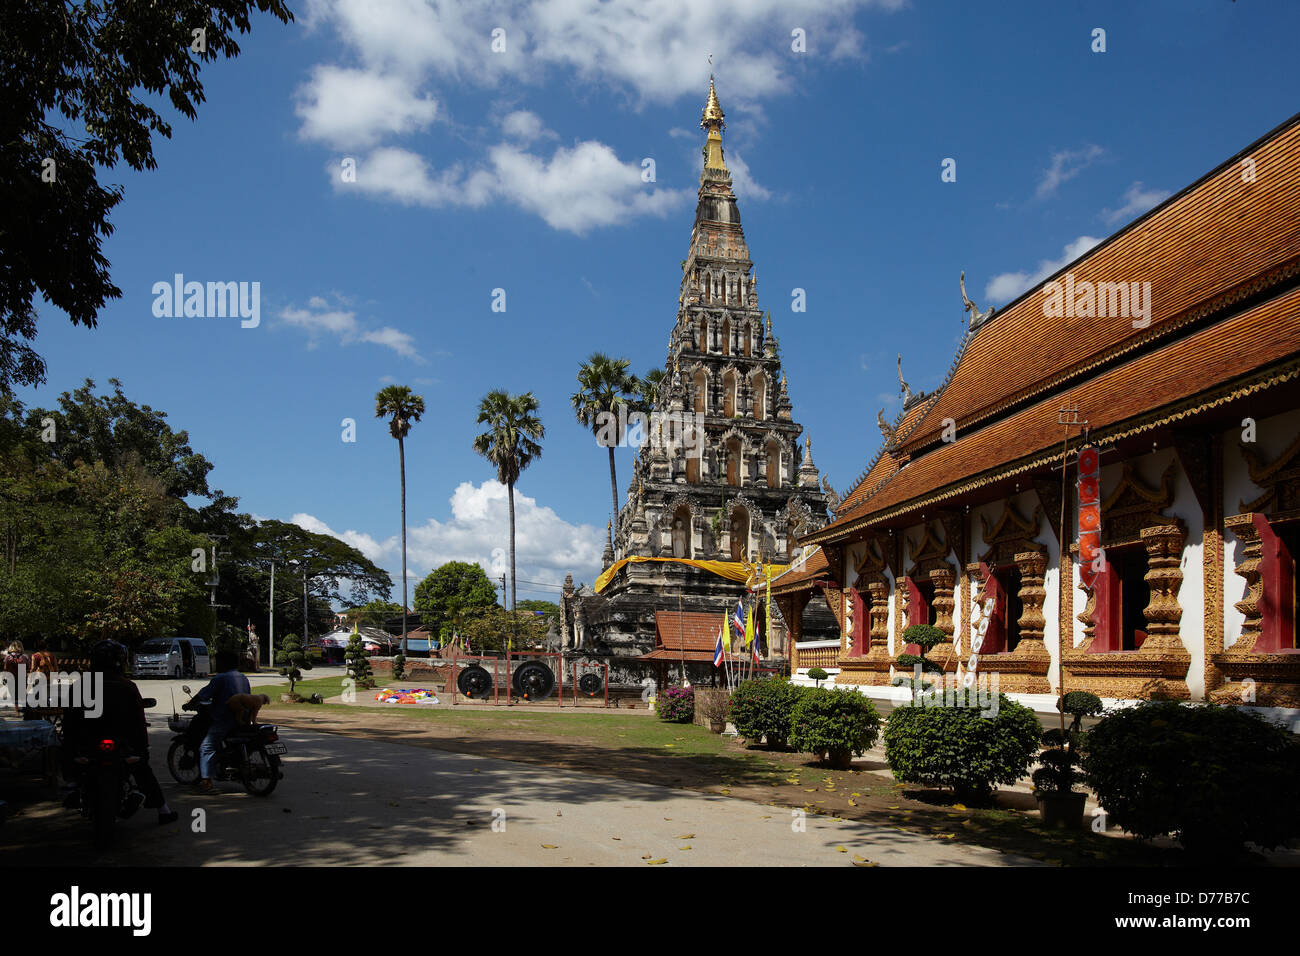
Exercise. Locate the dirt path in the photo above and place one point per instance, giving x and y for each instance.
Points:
(866, 793)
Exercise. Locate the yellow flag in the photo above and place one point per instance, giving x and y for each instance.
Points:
(749, 626)
(726, 631)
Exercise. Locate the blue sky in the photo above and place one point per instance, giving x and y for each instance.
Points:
(521, 170)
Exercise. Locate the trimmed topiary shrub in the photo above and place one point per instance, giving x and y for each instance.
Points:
(834, 724)
(1061, 758)
(677, 705)
(958, 748)
(761, 709)
(926, 637)
(1214, 777)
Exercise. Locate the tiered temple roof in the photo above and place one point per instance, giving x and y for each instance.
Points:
(1222, 257)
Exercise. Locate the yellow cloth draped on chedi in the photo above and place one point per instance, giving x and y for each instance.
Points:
(751, 573)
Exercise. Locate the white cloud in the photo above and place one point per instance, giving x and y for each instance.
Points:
(372, 549)
(347, 108)
(656, 50)
(1137, 200)
(746, 187)
(1008, 285)
(546, 546)
(525, 126)
(1066, 164)
(319, 319)
(575, 190)
(579, 188)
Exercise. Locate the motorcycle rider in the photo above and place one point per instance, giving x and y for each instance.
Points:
(225, 684)
(121, 719)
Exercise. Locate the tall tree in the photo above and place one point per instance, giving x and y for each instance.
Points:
(451, 593)
(402, 407)
(78, 80)
(604, 386)
(511, 443)
(648, 389)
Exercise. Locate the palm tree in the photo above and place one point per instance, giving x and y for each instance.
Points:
(403, 408)
(511, 444)
(604, 385)
(648, 388)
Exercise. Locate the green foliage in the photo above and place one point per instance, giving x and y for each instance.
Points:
(924, 636)
(399, 665)
(817, 674)
(83, 87)
(956, 747)
(375, 613)
(451, 595)
(1080, 704)
(1215, 777)
(292, 660)
(761, 710)
(834, 724)
(511, 443)
(495, 629)
(1062, 756)
(676, 705)
(358, 662)
(401, 407)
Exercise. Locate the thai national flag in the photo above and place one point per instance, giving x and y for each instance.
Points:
(738, 620)
(717, 650)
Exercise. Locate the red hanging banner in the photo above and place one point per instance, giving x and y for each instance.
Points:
(1089, 515)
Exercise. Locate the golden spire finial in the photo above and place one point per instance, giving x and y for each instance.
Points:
(712, 114)
(712, 120)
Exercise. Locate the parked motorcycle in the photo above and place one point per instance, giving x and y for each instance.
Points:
(107, 791)
(249, 754)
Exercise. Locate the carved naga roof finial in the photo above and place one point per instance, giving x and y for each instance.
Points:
(885, 430)
(904, 387)
(832, 497)
(977, 317)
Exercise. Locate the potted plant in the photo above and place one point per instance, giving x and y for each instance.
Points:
(834, 724)
(713, 707)
(817, 674)
(1059, 804)
(761, 710)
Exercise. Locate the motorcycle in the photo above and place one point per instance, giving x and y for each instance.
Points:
(107, 791)
(250, 755)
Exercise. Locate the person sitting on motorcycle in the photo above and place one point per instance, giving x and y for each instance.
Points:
(225, 684)
(121, 719)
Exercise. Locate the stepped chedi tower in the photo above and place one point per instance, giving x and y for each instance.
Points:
(721, 477)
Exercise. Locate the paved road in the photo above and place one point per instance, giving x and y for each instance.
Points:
(364, 802)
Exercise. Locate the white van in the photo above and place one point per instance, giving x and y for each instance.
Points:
(172, 657)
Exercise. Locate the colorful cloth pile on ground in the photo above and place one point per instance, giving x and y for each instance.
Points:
(418, 695)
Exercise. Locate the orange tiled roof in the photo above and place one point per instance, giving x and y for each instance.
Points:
(694, 630)
(1215, 235)
(815, 567)
(1167, 379)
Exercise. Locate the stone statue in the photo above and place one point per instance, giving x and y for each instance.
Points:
(679, 537)
(977, 317)
(579, 626)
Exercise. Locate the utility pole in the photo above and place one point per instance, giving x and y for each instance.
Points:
(270, 613)
(305, 619)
